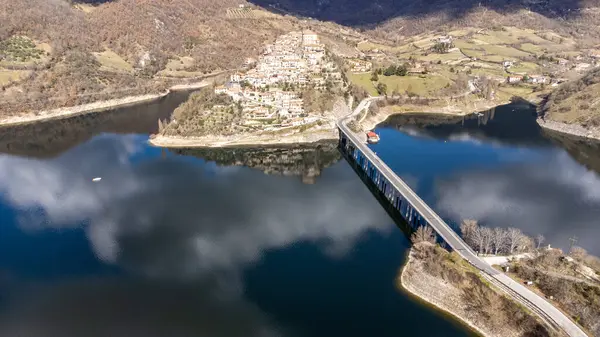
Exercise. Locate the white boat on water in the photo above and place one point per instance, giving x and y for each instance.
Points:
(97, 179)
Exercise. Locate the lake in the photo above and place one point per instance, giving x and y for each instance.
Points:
(206, 243)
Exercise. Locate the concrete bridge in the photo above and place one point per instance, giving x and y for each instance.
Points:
(401, 198)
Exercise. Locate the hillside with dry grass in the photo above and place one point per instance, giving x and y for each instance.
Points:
(576, 102)
(126, 47)
(56, 53)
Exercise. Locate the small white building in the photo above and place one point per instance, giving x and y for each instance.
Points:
(514, 79)
(310, 38)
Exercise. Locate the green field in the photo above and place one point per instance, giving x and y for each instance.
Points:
(7, 76)
(422, 86)
(23, 51)
(504, 51)
(445, 58)
(363, 81)
(111, 61)
(532, 48)
(525, 68)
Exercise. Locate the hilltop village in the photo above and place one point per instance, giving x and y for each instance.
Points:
(289, 89)
(271, 87)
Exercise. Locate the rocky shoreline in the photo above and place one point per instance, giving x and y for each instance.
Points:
(446, 297)
(370, 122)
(249, 140)
(570, 129)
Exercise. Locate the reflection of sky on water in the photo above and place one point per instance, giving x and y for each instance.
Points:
(174, 221)
(480, 173)
(556, 197)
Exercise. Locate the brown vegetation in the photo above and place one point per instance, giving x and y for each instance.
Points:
(204, 113)
(146, 34)
(488, 307)
(565, 282)
(575, 102)
(423, 234)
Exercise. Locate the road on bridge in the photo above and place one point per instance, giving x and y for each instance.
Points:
(520, 293)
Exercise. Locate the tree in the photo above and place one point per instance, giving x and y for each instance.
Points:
(382, 89)
(389, 71)
(525, 244)
(374, 77)
(467, 228)
(423, 234)
(402, 70)
(578, 253)
(499, 240)
(513, 237)
(539, 239)
(487, 236)
(396, 91)
(442, 47)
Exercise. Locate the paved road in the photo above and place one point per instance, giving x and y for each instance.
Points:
(519, 292)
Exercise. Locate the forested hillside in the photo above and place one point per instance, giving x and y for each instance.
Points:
(123, 47)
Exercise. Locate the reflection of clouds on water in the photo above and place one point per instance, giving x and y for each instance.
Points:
(167, 219)
(166, 216)
(63, 189)
(556, 197)
(414, 131)
(464, 137)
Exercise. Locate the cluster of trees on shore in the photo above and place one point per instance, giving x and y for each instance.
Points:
(501, 241)
(507, 241)
(486, 240)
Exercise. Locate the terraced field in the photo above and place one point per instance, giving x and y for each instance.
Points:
(477, 52)
(248, 13)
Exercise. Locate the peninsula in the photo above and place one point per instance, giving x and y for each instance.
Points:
(292, 94)
(570, 281)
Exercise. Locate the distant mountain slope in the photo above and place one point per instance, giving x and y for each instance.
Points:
(369, 12)
(576, 102)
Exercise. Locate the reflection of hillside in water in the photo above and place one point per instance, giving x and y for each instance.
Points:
(586, 152)
(307, 161)
(509, 124)
(50, 138)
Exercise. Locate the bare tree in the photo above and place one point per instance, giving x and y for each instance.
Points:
(487, 235)
(539, 239)
(423, 234)
(478, 238)
(513, 237)
(468, 228)
(525, 244)
(499, 239)
(578, 253)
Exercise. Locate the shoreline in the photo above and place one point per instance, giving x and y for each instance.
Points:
(371, 122)
(570, 129)
(425, 298)
(266, 140)
(99, 106)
